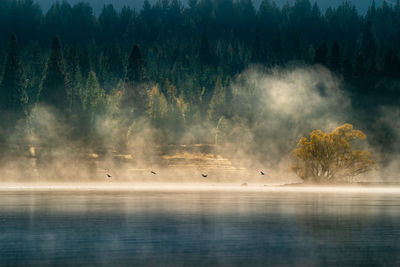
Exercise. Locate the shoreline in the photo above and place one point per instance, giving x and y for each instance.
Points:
(199, 187)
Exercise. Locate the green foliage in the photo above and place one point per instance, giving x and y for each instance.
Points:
(321, 54)
(53, 90)
(135, 94)
(189, 54)
(157, 106)
(218, 101)
(135, 70)
(204, 50)
(335, 60)
(12, 88)
(93, 96)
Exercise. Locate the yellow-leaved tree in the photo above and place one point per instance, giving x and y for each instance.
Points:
(329, 157)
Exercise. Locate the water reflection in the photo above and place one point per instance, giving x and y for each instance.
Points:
(199, 228)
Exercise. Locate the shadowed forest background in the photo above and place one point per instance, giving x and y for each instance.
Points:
(208, 76)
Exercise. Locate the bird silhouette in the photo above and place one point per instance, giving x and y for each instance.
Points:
(204, 175)
(153, 172)
(262, 173)
(108, 175)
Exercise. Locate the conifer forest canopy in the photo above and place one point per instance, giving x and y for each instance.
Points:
(250, 80)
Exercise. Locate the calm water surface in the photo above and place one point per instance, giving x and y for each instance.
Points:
(199, 228)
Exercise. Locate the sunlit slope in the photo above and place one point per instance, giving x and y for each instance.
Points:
(170, 163)
(196, 156)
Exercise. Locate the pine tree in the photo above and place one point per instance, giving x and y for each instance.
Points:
(73, 79)
(335, 60)
(321, 54)
(389, 63)
(12, 92)
(93, 96)
(371, 10)
(135, 71)
(172, 92)
(368, 43)
(359, 66)
(256, 50)
(77, 85)
(135, 97)
(113, 61)
(53, 90)
(157, 106)
(204, 50)
(93, 99)
(347, 67)
(228, 97)
(216, 109)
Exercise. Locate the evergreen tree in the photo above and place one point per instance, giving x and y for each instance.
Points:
(12, 92)
(335, 60)
(217, 108)
(113, 61)
(84, 61)
(371, 11)
(135, 97)
(73, 79)
(321, 54)
(347, 67)
(112, 66)
(359, 66)
(53, 90)
(93, 97)
(157, 107)
(368, 43)
(389, 64)
(108, 21)
(136, 70)
(204, 50)
(76, 88)
(256, 50)
(172, 92)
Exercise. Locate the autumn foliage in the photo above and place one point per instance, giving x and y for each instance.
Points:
(329, 157)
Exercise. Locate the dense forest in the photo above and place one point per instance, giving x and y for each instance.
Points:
(172, 72)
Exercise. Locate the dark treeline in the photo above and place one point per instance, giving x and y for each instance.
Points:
(174, 65)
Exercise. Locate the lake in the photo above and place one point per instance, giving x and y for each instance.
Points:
(199, 228)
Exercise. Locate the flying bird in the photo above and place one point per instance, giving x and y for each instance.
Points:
(153, 172)
(262, 173)
(204, 175)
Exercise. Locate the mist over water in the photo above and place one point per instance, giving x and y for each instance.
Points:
(199, 228)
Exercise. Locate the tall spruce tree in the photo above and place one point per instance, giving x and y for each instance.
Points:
(218, 101)
(53, 90)
(204, 50)
(136, 96)
(93, 97)
(321, 54)
(359, 66)
(389, 63)
(12, 92)
(368, 43)
(335, 60)
(135, 71)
